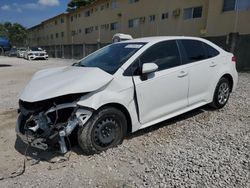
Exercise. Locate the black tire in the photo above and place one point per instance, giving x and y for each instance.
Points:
(221, 94)
(105, 129)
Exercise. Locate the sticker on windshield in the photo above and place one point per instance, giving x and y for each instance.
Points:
(136, 46)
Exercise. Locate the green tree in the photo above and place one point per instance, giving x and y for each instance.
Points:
(74, 4)
(16, 33)
(3, 31)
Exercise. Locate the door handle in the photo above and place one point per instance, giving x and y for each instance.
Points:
(213, 64)
(182, 74)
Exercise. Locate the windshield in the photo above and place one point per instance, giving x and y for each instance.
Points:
(36, 49)
(112, 57)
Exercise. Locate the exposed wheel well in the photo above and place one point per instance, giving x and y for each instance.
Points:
(230, 79)
(124, 111)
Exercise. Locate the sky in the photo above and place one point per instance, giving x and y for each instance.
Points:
(30, 12)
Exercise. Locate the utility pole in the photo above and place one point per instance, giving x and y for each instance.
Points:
(236, 16)
(72, 47)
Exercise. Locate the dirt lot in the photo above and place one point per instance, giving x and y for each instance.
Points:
(202, 148)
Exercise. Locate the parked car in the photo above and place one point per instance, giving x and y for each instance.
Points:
(12, 52)
(35, 53)
(5, 45)
(20, 52)
(123, 88)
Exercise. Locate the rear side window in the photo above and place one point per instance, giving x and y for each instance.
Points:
(194, 50)
(211, 52)
(164, 54)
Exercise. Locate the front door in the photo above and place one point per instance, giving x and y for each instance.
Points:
(164, 91)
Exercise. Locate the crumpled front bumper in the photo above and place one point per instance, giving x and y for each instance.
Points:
(80, 118)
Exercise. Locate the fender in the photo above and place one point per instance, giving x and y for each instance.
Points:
(104, 96)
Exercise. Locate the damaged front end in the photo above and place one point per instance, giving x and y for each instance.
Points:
(49, 123)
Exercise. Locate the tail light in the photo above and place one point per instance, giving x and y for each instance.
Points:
(234, 59)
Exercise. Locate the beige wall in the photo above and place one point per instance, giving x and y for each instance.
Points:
(212, 23)
(144, 8)
(221, 23)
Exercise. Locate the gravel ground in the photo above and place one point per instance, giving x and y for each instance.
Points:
(202, 148)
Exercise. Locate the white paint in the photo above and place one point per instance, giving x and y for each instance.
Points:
(165, 94)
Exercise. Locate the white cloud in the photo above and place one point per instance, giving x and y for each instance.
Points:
(30, 6)
(40, 4)
(50, 3)
(5, 7)
(19, 10)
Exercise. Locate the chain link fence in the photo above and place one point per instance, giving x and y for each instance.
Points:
(234, 42)
(75, 51)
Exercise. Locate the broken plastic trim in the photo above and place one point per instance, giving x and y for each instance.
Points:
(79, 117)
(82, 116)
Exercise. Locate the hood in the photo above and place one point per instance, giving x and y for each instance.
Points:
(55, 82)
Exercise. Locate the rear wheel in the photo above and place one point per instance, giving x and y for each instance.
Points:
(106, 129)
(221, 94)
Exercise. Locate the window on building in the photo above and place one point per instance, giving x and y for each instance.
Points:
(164, 54)
(164, 16)
(114, 26)
(57, 35)
(142, 20)
(194, 12)
(133, 22)
(72, 18)
(51, 36)
(62, 20)
(89, 30)
(114, 4)
(231, 5)
(152, 18)
(87, 13)
(62, 34)
(105, 26)
(80, 30)
(243, 5)
(96, 28)
(132, 1)
(73, 33)
(55, 22)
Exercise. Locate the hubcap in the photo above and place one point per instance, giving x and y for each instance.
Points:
(105, 132)
(223, 93)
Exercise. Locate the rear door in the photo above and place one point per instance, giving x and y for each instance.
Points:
(202, 69)
(166, 90)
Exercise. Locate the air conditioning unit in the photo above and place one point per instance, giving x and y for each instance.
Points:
(142, 20)
(177, 12)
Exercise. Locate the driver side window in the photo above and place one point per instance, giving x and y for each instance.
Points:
(164, 54)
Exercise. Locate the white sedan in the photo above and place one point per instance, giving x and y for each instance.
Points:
(35, 53)
(123, 88)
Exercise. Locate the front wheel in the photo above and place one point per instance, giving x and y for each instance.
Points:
(106, 129)
(221, 94)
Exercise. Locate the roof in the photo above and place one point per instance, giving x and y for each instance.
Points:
(161, 38)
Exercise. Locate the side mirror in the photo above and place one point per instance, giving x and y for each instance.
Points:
(148, 68)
